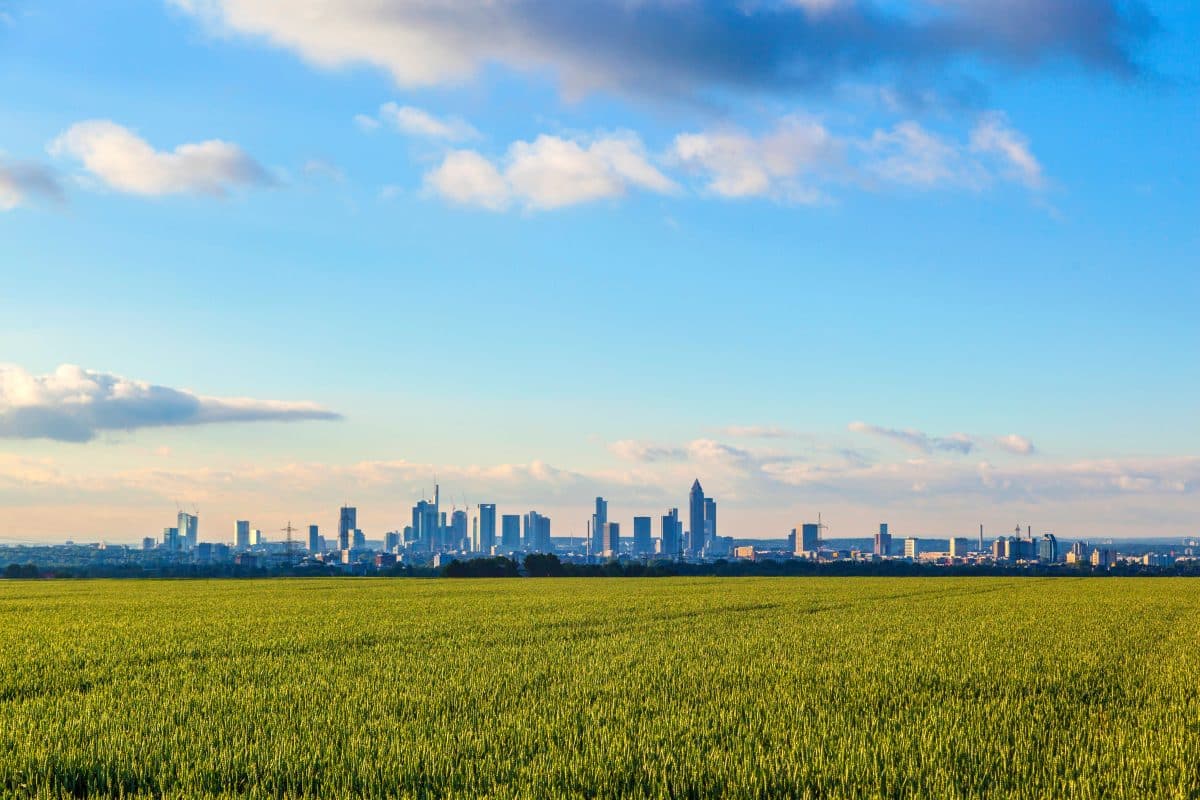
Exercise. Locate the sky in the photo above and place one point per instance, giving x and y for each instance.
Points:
(928, 262)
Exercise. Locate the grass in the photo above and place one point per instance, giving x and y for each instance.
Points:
(758, 687)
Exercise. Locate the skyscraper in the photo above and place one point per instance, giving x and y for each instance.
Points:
(537, 533)
(710, 520)
(457, 533)
(611, 546)
(241, 533)
(696, 520)
(912, 548)
(426, 526)
(670, 534)
(487, 527)
(809, 538)
(189, 529)
(883, 541)
(642, 544)
(1048, 549)
(314, 538)
(510, 532)
(347, 522)
(599, 519)
(170, 538)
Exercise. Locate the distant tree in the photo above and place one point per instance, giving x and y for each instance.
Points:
(543, 565)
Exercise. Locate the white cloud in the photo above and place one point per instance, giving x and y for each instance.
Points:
(467, 178)
(417, 122)
(736, 164)
(73, 404)
(1014, 443)
(127, 163)
(758, 432)
(993, 135)
(549, 172)
(908, 154)
(22, 182)
(918, 440)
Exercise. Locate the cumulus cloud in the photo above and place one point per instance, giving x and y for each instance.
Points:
(22, 182)
(736, 164)
(549, 172)
(73, 404)
(1015, 444)
(417, 122)
(689, 48)
(917, 440)
(125, 162)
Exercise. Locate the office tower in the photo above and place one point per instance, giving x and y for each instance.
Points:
(487, 527)
(170, 538)
(148, 543)
(642, 545)
(347, 522)
(599, 519)
(670, 535)
(696, 520)
(959, 547)
(1048, 549)
(537, 533)
(510, 532)
(189, 530)
(359, 540)
(457, 532)
(241, 533)
(883, 541)
(611, 536)
(710, 519)
(314, 539)
(391, 541)
(810, 536)
(426, 525)
(256, 538)
(912, 548)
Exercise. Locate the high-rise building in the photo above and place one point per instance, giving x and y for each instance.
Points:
(710, 521)
(256, 538)
(642, 543)
(148, 543)
(457, 532)
(359, 542)
(170, 539)
(696, 520)
(810, 538)
(510, 532)
(599, 520)
(347, 522)
(537, 533)
(883, 541)
(314, 538)
(189, 530)
(487, 527)
(391, 541)
(1048, 549)
(611, 540)
(959, 547)
(912, 548)
(241, 534)
(671, 534)
(426, 525)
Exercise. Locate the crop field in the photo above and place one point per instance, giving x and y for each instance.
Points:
(520, 688)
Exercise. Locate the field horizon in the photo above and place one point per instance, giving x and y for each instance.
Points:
(668, 687)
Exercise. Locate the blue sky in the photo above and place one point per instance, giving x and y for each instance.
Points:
(825, 255)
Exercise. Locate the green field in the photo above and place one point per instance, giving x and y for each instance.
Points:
(840, 687)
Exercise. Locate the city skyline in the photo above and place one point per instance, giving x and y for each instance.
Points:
(945, 282)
